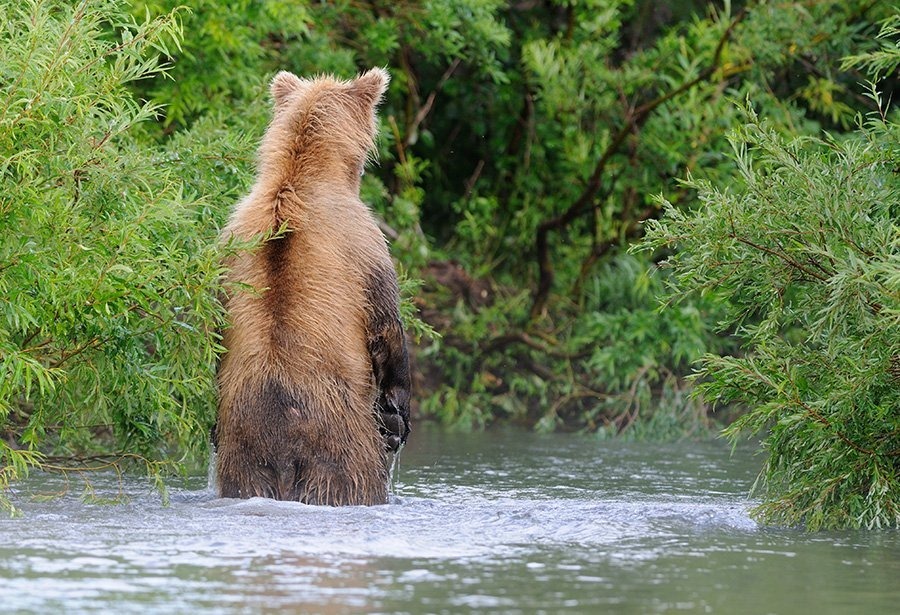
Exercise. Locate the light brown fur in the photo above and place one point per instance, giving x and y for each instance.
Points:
(296, 386)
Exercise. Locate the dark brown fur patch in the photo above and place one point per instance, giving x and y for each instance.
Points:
(390, 358)
(273, 471)
(276, 256)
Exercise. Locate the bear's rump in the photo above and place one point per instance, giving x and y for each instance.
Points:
(316, 444)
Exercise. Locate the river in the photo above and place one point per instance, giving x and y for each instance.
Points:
(497, 522)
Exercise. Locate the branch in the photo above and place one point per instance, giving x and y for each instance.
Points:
(412, 131)
(779, 255)
(79, 463)
(828, 424)
(600, 249)
(520, 337)
(634, 120)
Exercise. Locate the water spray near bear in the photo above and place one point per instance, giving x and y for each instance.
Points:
(314, 386)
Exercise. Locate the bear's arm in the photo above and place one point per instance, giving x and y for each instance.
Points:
(390, 360)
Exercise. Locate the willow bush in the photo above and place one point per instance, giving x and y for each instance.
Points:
(107, 269)
(805, 252)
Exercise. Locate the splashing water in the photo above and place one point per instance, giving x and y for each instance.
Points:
(496, 522)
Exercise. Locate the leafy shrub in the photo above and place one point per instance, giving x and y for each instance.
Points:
(109, 271)
(806, 253)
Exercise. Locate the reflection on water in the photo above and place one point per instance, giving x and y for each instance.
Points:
(496, 522)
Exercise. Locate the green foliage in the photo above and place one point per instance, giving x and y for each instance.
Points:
(229, 51)
(806, 254)
(885, 60)
(589, 124)
(611, 369)
(108, 274)
(417, 329)
(520, 147)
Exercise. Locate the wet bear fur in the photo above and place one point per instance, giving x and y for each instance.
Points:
(314, 384)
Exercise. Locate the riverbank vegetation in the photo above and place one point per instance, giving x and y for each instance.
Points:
(526, 148)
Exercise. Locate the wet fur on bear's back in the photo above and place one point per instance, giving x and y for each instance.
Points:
(315, 355)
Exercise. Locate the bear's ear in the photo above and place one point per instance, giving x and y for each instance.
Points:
(283, 84)
(369, 87)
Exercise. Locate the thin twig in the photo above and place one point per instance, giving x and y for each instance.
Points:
(412, 130)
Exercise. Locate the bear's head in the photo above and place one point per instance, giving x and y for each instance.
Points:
(323, 128)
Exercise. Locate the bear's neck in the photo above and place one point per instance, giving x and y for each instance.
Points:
(309, 177)
(292, 199)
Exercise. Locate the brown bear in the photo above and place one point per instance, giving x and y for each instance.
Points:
(314, 383)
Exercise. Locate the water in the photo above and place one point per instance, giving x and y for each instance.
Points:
(499, 522)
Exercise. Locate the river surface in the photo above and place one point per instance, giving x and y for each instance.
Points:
(496, 522)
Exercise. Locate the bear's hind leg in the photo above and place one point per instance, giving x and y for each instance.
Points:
(253, 478)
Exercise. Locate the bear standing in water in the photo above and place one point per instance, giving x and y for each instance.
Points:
(314, 385)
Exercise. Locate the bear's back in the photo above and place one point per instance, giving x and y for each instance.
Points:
(308, 313)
